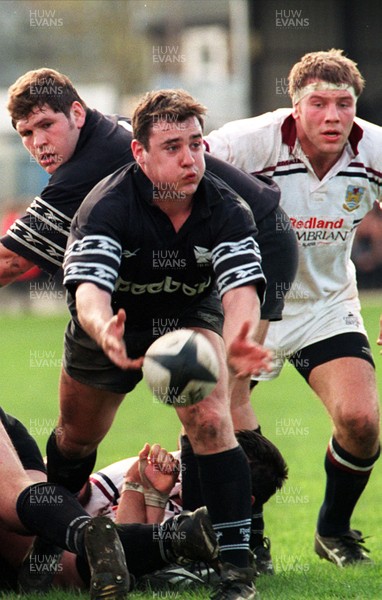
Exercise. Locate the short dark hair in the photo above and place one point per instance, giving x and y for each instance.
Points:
(164, 105)
(268, 467)
(41, 87)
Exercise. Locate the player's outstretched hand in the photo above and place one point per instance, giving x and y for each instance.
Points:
(158, 468)
(113, 343)
(246, 357)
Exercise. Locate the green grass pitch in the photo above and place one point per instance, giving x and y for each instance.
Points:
(30, 358)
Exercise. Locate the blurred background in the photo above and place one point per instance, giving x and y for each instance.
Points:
(233, 55)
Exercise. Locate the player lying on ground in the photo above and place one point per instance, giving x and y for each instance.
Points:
(144, 489)
(101, 549)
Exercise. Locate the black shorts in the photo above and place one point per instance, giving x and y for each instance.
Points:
(341, 345)
(86, 362)
(8, 577)
(279, 252)
(26, 447)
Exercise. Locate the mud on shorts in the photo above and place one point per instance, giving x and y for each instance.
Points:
(278, 246)
(86, 362)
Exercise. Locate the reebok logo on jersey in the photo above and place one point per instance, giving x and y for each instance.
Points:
(167, 285)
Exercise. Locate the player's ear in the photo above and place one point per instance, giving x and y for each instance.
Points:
(78, 113)
(137, 150)
(296, 110)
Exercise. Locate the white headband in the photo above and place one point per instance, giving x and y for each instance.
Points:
(323, 86)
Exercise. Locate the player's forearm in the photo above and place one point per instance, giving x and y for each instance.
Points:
(93, 309)
(240, 305)
(155, 514)
(131, 508)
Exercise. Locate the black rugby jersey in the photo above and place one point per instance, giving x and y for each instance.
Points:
(42, 233)
(127, 246)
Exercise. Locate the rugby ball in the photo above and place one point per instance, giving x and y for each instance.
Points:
(181, 367)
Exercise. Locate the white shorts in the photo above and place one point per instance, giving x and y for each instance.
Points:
(315, 323)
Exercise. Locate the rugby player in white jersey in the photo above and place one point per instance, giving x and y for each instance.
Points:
(328, 165)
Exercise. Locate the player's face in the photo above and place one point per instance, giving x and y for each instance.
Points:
(51, 137)
(324, 120)
(174, 161)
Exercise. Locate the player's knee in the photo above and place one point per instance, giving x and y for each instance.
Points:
(209, 425)
(362, 426)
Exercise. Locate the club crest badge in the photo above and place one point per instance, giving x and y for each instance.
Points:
(353, 197)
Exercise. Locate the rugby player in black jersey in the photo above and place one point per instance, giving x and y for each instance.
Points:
(164, 204)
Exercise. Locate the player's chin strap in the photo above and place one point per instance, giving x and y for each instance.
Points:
(152, 496)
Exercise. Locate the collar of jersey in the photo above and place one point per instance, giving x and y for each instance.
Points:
(289, 134)
(91, 121)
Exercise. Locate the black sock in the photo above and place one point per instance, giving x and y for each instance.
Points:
(144, 547)
(257, 525)
(54, 514)
(226, 484)
(347, 477)
(71, 473)
(83, 569)
(257, 522)
(191, 491)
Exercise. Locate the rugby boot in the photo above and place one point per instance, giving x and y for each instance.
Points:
(189, 537)
(263, 559)
(36, 573)
(343, 550)
(236, 583)
(110, 577)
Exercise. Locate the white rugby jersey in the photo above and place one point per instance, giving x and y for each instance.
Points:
(324, 213)
(106, 486)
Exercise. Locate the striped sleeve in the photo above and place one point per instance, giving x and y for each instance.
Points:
(93, 259)
(40, 235)
(238, 264)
